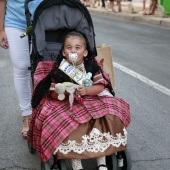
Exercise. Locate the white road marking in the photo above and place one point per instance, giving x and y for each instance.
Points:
(143, 79)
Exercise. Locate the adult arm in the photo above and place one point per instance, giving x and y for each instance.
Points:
(3, 38)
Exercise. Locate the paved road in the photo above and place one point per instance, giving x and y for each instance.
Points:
(144, 49)
(14, 153)
(139, 47)
(148, 140)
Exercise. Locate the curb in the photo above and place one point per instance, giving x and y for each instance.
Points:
(134, 17)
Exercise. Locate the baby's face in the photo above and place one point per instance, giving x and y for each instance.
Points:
(74, 45)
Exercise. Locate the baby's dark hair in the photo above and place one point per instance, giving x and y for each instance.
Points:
(76, 34)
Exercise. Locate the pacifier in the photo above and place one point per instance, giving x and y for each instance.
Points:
(73, 57)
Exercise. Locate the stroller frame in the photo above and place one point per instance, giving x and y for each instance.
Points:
(35, 57)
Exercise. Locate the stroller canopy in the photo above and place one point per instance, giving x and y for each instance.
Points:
(53, 19)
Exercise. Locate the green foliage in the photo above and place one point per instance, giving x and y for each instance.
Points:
(27, 32)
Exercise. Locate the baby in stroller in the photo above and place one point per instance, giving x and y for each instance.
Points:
(75, 113)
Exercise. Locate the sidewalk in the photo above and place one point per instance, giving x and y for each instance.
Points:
(135, 16)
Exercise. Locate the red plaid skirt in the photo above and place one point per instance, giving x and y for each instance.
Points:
(52, 121)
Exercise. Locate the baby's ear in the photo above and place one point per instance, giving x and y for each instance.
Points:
(63, 53)
(85, 53)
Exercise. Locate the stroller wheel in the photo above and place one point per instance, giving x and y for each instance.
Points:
(62, 165)
(127, 162)
(45, 166)
(111, 161)
(30, 147)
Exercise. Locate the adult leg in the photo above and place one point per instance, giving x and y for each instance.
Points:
(98, 2)
(87, 3)
(150, 6)
(19, 54)
(119, 6)
(154, 5)
(144, 5)
(103, 3)
(111, 5)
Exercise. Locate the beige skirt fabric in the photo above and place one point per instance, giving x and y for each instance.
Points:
(98, 137)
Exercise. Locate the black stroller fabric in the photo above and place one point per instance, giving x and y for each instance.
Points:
(53, 19)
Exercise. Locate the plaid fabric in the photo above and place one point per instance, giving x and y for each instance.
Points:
(42, 70)
(52, 121)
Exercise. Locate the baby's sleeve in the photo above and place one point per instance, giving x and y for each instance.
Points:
(98, 79)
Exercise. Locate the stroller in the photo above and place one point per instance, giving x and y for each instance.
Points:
(46, 40)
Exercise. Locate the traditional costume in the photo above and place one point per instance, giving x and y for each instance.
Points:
(92, 128)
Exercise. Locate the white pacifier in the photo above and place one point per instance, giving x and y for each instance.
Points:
(73, 57)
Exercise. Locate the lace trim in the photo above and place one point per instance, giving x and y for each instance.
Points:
(94, 142)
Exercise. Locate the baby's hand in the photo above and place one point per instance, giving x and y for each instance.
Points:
(82, 91)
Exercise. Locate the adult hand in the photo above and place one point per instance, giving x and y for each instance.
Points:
(3, 40)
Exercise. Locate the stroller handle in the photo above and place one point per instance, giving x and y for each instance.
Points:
(27, 13)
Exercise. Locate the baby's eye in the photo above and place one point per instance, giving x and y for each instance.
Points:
(78, 48)
(68, 48)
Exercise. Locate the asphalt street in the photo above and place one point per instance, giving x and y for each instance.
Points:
(148, 134)
(140, 47)
(144, 49)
